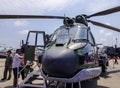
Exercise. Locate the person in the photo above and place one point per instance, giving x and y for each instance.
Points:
(8, 66)
(47, 38)
(28, 68)
(103, 61)
(39, 60)
(16, 65)
(116, 55)
(106, 60)
(116, 62)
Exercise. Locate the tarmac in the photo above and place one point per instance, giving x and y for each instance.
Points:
(111, 79)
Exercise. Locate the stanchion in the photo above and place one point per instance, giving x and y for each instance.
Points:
(79, 84)
(18, 73)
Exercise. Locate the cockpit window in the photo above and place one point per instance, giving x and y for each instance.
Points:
(63, 34)
(81, 33)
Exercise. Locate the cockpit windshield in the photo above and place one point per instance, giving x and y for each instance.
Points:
(81, 33)
(63, 34)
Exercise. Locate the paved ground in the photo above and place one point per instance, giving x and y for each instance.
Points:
(110, 80)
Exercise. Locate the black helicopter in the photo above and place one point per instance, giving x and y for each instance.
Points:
(70, 55)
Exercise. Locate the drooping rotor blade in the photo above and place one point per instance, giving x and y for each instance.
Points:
(30, 17)
(106, 12)
(104, 25)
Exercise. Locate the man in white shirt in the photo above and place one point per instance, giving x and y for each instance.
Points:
(17, 60)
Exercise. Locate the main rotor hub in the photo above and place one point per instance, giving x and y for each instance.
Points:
(68, 22)
(78, 19)
(81, 19)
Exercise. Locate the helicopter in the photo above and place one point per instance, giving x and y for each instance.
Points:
(70, 55)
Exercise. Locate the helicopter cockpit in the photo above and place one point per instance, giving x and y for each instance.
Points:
(69, 36)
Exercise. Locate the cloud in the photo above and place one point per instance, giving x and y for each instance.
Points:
(43, 6)
(105, 32)
(108, 23)
(24, 32)
(103, 39)
(33, 6)
(51, 6)
(20, 23)
(108, 34)
(101, 31)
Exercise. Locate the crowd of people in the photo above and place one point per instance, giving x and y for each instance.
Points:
(104, 58)
(19, 65)
(16, 63)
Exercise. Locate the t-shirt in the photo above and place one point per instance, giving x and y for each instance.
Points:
(16, 61)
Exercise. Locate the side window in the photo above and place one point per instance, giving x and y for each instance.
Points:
(36, 38)
(91, 39)
(40, 40)
(31, 39)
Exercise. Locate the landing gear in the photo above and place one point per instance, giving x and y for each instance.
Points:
(54, 84)
(73, 85)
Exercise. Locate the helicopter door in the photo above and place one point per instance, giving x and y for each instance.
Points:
(35, 42)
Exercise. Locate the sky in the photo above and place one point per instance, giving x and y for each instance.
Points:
(12, 31)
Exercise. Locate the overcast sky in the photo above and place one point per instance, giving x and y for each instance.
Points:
(13, 31)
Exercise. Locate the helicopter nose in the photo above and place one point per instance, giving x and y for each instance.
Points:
(59, 62)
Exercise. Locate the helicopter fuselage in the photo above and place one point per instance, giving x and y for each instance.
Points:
(69, 50)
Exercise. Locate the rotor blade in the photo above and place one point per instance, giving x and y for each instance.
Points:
(30, 17)
(106, 12)
(104, 25)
